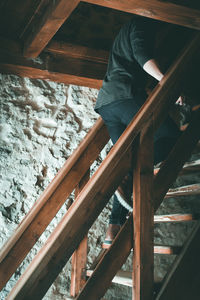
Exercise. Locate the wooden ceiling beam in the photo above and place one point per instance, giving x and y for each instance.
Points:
(155, 9)
(41, 29)
(67, 67)
(76, 51)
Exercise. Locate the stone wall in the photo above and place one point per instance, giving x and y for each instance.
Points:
(41, 124)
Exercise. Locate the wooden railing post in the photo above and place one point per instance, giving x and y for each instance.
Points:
(79, 258)
(143, 212)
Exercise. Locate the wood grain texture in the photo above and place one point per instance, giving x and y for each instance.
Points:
(160, 10)
(40, 33)
(79, 257)
(143, 212)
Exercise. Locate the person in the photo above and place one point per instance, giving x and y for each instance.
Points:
(122, 94)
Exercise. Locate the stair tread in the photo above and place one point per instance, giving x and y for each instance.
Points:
(174, 218)
(166, 249)
(122, 277)
(192, 189)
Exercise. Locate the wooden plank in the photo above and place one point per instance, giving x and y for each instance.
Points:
(188, 190)
(182, 282)
(143, 211)
(191, 167)
(46, 207)
(42, 31)
(174, 218)
(69, 70)
(66, 238)
(79, 257)
(109, 265)
(77, 51)
(169, 250)
(160, 10)
(175, 161)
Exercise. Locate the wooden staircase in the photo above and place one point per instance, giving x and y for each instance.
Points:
(93, 194)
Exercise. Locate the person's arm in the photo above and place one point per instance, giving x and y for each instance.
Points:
(152, 68)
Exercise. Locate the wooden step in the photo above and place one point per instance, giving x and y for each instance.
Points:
(174, 218)
(158, 249)
(187, 190)
(169, 250)
(122, 277)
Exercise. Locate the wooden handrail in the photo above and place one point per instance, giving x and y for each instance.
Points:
(92, 287)
(66, 237)
(46, 207)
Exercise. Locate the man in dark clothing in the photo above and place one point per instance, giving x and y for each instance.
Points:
(123, 93)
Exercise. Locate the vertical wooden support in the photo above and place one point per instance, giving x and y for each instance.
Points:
(79, 258)
(143, 259)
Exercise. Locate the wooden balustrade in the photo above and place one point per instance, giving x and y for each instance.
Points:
(46, 207)
(92, 199)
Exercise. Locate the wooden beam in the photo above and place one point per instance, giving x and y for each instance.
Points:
(76, 51)
(182, 282)
(109, 265)
(46, 207)
(77, 68)
(160, 10)
(143, 220)
(79, 257)
(41, 30)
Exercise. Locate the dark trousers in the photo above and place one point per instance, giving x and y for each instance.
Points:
(117, 116)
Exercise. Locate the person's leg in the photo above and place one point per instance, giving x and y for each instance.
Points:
(116, 117)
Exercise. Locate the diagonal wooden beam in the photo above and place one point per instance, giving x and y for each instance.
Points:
(160, 10)
(99, 282)
(182, 282)
(39, 33)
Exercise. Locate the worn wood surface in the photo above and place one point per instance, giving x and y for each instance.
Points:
(187, 190)
(168, 250)
(174, 218)
(182, 282)
(79, 257)
(43, 29)
(160, 10)
(46, 207)
(143, 212)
